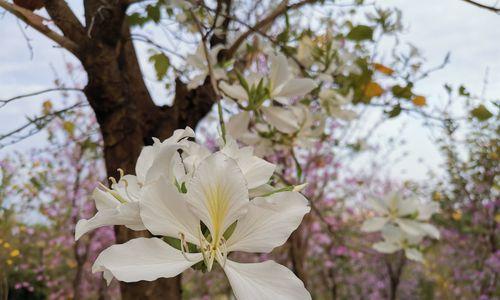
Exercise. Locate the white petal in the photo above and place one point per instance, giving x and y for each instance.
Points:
(407, 207)
(269, 222)
(377, 205)
(430, 230)
(264, 281)
(164, 212)
(410, 227)
(279, 71)
(373, 224)
(426, 210)
(164, 163)
(256, 170)
(143, 259)
(124, 214)
(237, 125)
(234, 91)
(414, 254)
(104, 200)
(297, 87)
(218, 193)
(386, 247)
(283, 119)
(145, 160)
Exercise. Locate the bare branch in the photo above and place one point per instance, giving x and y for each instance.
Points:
(490, 8)
(65, 19)
(37, 123)
(37, 22)
(6, 101)
(280, 10)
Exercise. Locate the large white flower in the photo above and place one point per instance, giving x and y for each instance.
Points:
(214, 218)
(119, 205)
(409, 214)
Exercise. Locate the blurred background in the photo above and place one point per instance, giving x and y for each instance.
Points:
(444, 149)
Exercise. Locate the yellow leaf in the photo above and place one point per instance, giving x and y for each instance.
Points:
(457, 215)
(47, 106)
(9, 262)
(6, 245)
(69, 127)
(373, 89)
(419, 101)
(383, 69)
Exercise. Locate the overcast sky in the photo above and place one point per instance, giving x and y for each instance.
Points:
(471, 34)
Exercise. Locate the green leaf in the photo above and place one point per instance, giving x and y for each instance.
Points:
(395, 111)
(136, 19)
(154, 13)
(462, 91)
(403, 92)
(481, 113)
(161, 64)
(360, 33)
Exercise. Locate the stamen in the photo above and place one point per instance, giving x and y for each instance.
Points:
(104, 187)
(184, 247)
(113, 180)
(122, 173)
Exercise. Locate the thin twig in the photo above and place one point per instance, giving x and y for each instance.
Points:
(6, 101)
(490, 8)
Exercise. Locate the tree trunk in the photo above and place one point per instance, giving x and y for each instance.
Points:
(298, 250)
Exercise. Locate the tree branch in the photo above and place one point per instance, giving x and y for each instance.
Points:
(39, 123)
(65, 19)
(281, 9)
(490, 8)
(37, 22)
(4, 102)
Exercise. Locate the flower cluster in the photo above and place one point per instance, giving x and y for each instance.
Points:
(200, 203)
(403, 223)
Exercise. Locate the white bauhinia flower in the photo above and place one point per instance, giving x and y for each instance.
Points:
(119, 205)
(395, 239)
(409, 214)
(217, 197)
(200, 62)
(333, 103)
(282, 85)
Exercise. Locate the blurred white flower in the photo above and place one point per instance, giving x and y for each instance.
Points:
(395, 239)
(200, 62)
(409, 214)
(333, 103)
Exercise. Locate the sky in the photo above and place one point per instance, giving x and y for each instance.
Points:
(469, 33)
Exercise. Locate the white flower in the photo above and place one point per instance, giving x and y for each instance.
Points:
(200, 62)
(217, 197)
(409, 214)
(332, 102)
(281, 83)
(305, 51)
(120, 204)
(395, 239)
